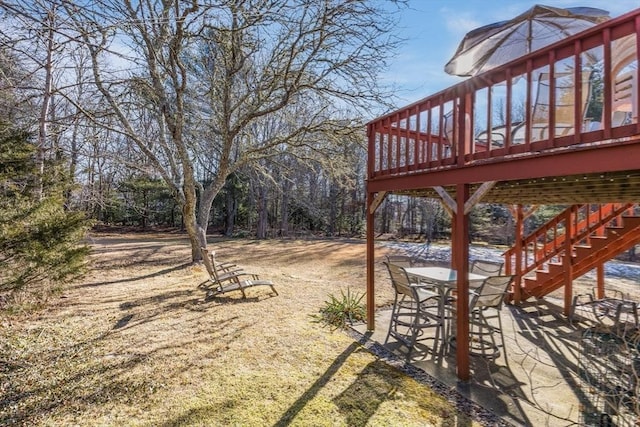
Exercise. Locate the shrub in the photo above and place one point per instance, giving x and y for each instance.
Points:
(343, 311)
(40, 236)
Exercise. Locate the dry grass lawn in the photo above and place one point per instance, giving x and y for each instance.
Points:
(135, 343)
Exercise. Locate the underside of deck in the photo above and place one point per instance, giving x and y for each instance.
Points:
(604, 175)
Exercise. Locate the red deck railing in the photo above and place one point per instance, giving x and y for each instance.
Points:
(583, 90)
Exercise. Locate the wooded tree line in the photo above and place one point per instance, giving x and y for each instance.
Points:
(274, 201)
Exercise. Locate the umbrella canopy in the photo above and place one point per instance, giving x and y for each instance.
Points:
(495, 44)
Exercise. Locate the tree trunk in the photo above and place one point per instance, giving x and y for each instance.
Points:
(333, 194)
(195, 217)
(383, 217)
(231, 207)
(356, 213)
(201, 221)
(284, 218)
(188, 214)
(46, 102)
(343, 214)
(261, 229)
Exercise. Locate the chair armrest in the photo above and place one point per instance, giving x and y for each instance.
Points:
(235, 274)
(225, 265)
(618, 294)
(422, 282)
(229, 275)
(425, 294)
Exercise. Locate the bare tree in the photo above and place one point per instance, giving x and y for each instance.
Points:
(203, 90)
(36, 46)
(206, 73)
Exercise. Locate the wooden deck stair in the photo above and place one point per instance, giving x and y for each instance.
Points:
(598, 234)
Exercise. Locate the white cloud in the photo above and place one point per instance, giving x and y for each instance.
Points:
(417, 78)
(458, 22)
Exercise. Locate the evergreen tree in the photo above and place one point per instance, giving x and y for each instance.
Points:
(39, 237)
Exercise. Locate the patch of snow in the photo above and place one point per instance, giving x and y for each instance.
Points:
(442, 253)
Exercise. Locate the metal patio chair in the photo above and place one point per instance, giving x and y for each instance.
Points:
(484, 316)
(415, 309)
(406, 261)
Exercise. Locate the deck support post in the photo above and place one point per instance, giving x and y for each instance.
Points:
(373, 202)
(517, 286)
(568, 264)
(600, 281)
(460, 254)
(371, 324)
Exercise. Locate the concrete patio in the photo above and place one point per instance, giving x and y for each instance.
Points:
(544, 378)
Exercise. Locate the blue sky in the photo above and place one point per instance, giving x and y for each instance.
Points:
(433, 29)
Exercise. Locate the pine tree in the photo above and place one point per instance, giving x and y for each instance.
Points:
(40, 239)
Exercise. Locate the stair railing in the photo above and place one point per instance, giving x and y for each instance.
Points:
(546, 243)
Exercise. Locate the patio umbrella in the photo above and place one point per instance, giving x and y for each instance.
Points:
(495, 44)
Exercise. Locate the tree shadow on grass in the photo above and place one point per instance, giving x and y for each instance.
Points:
(294, 409)
(73, 379)
(376, 384)
(54, 380)
(380, 382)
(360, 401)
(134, 279)
(147, 309)
(318, 385)
(193, 416)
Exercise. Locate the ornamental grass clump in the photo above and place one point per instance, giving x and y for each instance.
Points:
(343, 311)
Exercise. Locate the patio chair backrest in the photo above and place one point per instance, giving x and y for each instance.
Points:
(207, 259)
(486, 268)
(400, 280)
(491, 293)
(400, 260)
